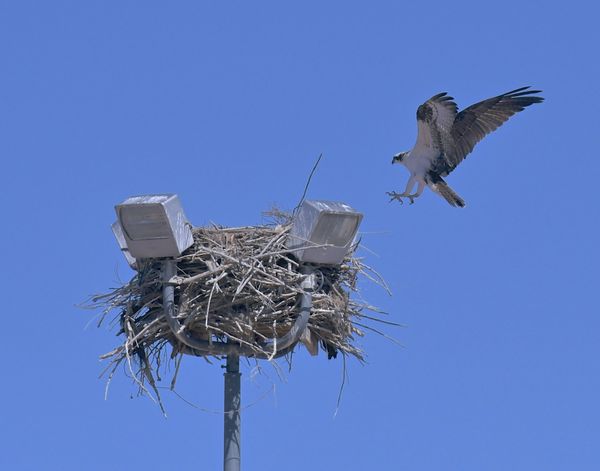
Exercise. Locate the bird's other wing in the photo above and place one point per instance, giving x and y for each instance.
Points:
(434, 117)
(475, 122)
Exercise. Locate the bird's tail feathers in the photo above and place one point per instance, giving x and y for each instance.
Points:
(442, 188)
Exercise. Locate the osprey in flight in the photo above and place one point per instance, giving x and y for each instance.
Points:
(445, 137)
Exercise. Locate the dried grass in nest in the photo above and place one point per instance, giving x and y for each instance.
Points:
(236, 285)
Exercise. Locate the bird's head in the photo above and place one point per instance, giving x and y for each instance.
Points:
(399, 158)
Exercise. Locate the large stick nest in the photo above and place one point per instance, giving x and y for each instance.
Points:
(236, 285)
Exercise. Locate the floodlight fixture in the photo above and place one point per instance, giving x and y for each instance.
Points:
(118, 232)
(154, 226)
(323, 232)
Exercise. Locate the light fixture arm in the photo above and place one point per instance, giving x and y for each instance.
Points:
(277, 346)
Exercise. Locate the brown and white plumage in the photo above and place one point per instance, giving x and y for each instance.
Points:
(445, 137)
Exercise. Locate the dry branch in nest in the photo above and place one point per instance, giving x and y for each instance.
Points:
(236, 285)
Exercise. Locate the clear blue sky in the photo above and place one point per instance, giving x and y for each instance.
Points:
(228, 104)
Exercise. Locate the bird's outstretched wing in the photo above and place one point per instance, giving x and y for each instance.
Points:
(434, 117)
(475, 122)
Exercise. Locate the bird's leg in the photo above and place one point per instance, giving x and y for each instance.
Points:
(420, 189)
(406, 194)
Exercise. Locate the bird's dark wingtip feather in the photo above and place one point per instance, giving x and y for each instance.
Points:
(523, 91)
(519, 90)
(441, 98)
(438, 97)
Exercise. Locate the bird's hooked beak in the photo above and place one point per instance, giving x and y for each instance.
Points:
(397, 158)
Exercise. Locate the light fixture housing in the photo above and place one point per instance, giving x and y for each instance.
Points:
(154, 226)
(118, 232)
(323, 232)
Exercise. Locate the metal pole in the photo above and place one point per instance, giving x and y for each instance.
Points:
(169, 270)
(232, 396)
(232, 418)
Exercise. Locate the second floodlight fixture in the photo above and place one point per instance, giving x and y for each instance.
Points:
(323, 232)
(154, 226)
